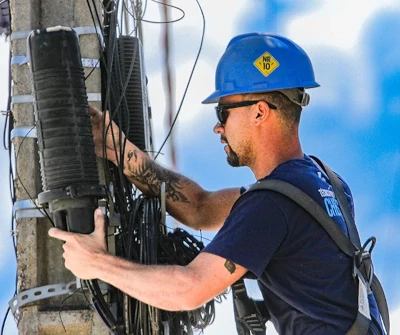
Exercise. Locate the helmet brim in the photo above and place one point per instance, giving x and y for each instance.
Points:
(212, 98)
(217, 94)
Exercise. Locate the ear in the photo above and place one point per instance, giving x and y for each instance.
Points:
(261, 112)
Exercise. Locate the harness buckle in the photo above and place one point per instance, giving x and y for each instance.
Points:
(362, 263)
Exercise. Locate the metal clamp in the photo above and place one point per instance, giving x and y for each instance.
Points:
(94, 96)
(40, 293)
(20, 60)
(23, 34)
(27, 208)
(86, 62)
(21, 99)
(28, 98)
(26, 131)
(90, 62)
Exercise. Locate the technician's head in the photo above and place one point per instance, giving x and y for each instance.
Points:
(259, 72)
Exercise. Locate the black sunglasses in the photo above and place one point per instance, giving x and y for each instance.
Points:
(222, 109)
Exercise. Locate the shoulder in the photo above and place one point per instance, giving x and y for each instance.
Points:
(259, 201)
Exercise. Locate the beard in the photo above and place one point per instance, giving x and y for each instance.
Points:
(232, 158)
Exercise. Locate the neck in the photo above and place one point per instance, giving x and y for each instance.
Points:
(275, 151)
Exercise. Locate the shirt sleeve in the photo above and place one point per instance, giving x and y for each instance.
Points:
(252, 233)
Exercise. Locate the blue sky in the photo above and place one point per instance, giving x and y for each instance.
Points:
(351, 123)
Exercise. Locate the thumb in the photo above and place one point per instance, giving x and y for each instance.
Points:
(99, 226)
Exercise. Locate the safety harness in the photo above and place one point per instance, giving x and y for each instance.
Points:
(251, 315)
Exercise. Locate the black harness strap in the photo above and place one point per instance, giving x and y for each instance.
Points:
(250, 315)
(354, 237)
(361, 323)
(251, 319)
(343, 203)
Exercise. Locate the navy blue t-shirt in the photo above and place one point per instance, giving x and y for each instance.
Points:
(306, 281)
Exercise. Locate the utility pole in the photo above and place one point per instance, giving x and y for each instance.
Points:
(45, 303)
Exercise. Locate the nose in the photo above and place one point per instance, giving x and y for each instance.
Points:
(218, 128)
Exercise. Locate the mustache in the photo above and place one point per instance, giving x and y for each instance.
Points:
(223, 138)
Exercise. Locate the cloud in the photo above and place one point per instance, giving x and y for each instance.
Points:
(328, 25)
(333, 38)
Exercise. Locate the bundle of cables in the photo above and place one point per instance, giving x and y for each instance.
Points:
(146, 241)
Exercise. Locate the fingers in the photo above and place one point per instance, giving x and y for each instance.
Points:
(99, 229)
(93, 111)
(60, 234)
(97, 116)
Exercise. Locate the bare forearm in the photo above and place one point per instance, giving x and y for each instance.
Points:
(186, 200)
(165, 287)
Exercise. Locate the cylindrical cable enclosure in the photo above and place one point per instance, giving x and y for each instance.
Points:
(69, 171)
(128, 93)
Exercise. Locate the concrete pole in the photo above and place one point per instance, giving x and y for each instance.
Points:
(39, 258)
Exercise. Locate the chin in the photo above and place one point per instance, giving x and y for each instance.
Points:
(233, 161)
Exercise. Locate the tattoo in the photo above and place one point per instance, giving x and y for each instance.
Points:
(230, 266)
(152, 175)
(130, 154)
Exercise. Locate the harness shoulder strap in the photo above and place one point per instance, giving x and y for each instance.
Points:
(343, 203)
(355, 238)
(362, 321)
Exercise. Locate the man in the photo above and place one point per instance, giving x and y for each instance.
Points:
(306, 281)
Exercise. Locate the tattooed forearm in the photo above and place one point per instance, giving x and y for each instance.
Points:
(131, 154)
(150, 174)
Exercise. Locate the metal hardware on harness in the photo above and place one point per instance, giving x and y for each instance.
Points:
(27, 208)
(40, 293)
(362, 263)
(251, 315)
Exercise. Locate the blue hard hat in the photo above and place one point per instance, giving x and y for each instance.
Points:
(261, 62)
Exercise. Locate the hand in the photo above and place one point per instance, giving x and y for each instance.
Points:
(101, 122)
(82, 250)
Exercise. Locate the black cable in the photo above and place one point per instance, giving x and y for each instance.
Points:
(92, 70)
(78, 290)
(141, 235)
(166, 22)
(4, 321)
(22, 184)
(102, 308)
(188, 83)
(8, 126)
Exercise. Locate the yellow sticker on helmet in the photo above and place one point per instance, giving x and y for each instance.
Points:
(266, 64)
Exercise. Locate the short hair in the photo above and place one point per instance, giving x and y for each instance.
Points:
(289, 112)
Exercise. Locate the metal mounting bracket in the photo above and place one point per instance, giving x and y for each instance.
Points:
(86, 62)
(40, 293)
(26, 131)
(23, 34)
(27, 208)
(28, 98)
